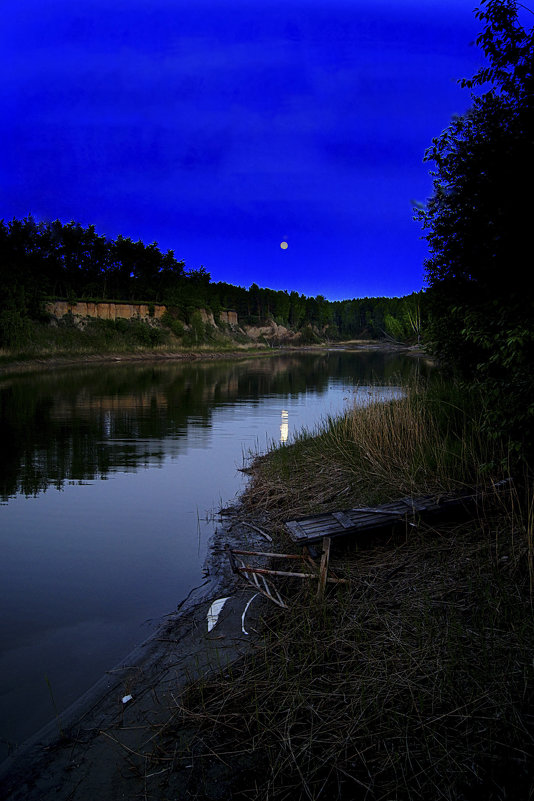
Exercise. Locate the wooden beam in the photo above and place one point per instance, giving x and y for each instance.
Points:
(323, 570)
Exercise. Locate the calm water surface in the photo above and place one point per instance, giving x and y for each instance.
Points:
(108, 476)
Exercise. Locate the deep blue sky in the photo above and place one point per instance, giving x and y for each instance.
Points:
(220, 128)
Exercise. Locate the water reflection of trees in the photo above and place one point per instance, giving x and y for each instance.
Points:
(83, 424)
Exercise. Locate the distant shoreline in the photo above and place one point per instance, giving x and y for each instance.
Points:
(44, 362)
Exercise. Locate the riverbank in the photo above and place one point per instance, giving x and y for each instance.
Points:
(414, 680)
(418, 672)
(14, 363)
(101, 745)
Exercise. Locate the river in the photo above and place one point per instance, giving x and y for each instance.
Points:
(110, 480)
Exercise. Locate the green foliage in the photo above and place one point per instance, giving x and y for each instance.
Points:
(14, 328)
(146, 334)
(478, 228)
(69, 337)
(170, 320)
(177, 328)
(404, 322)
(45, 261)
(394, 327)
(331, 332)
(119, 332)
(198, 328)
(120, 325)
(69, 261)
(308, 336)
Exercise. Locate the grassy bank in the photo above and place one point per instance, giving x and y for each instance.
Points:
(414, 680)
(429, 441)
(67, 339)
(106, 340)
(70, 339)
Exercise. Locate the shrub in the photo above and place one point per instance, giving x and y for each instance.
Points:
(14, 328)
(147, 334)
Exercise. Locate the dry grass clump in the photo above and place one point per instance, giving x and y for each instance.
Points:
(420, 443)
(414, 682)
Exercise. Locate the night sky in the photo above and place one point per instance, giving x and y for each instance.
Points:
(221, 128)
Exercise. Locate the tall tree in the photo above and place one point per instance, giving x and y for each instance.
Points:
(478, 227)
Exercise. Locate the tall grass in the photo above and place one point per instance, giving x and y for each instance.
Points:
(428, 441)
(414, 680)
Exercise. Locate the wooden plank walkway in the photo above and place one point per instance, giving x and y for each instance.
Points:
(309, 530)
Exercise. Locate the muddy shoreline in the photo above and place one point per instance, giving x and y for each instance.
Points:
(99, 746)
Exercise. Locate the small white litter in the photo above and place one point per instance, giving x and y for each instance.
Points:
(127, 698)
(214, 611)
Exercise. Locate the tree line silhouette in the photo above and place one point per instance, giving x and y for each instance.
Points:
(44, 260)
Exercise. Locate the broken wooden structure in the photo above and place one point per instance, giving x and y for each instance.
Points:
(261, 578)
(360, 520)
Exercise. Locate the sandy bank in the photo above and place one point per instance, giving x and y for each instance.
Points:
(99, 746)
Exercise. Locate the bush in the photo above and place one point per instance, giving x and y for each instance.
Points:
(14, 328)
(146, 334)
(198, 328)
(308, 336)
(121, 325)
(177, 328)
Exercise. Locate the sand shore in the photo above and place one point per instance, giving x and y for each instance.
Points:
(100, 746)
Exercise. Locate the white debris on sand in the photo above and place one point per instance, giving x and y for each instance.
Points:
(214, 611)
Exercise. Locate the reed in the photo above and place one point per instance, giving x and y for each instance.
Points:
(413, 681)
(54, 706)
(428, 441)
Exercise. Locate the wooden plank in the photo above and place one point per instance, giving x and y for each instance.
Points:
(378, 511)
(419, 504)
(317, 522)
(342, 518)
(269, 554)
(318, 525)
(296, 531)
(375, 520)
(384, 522)
(352, 523)
(264, 571)
(366, 518)
(318, 534)
(330, 526)
(334, 524)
